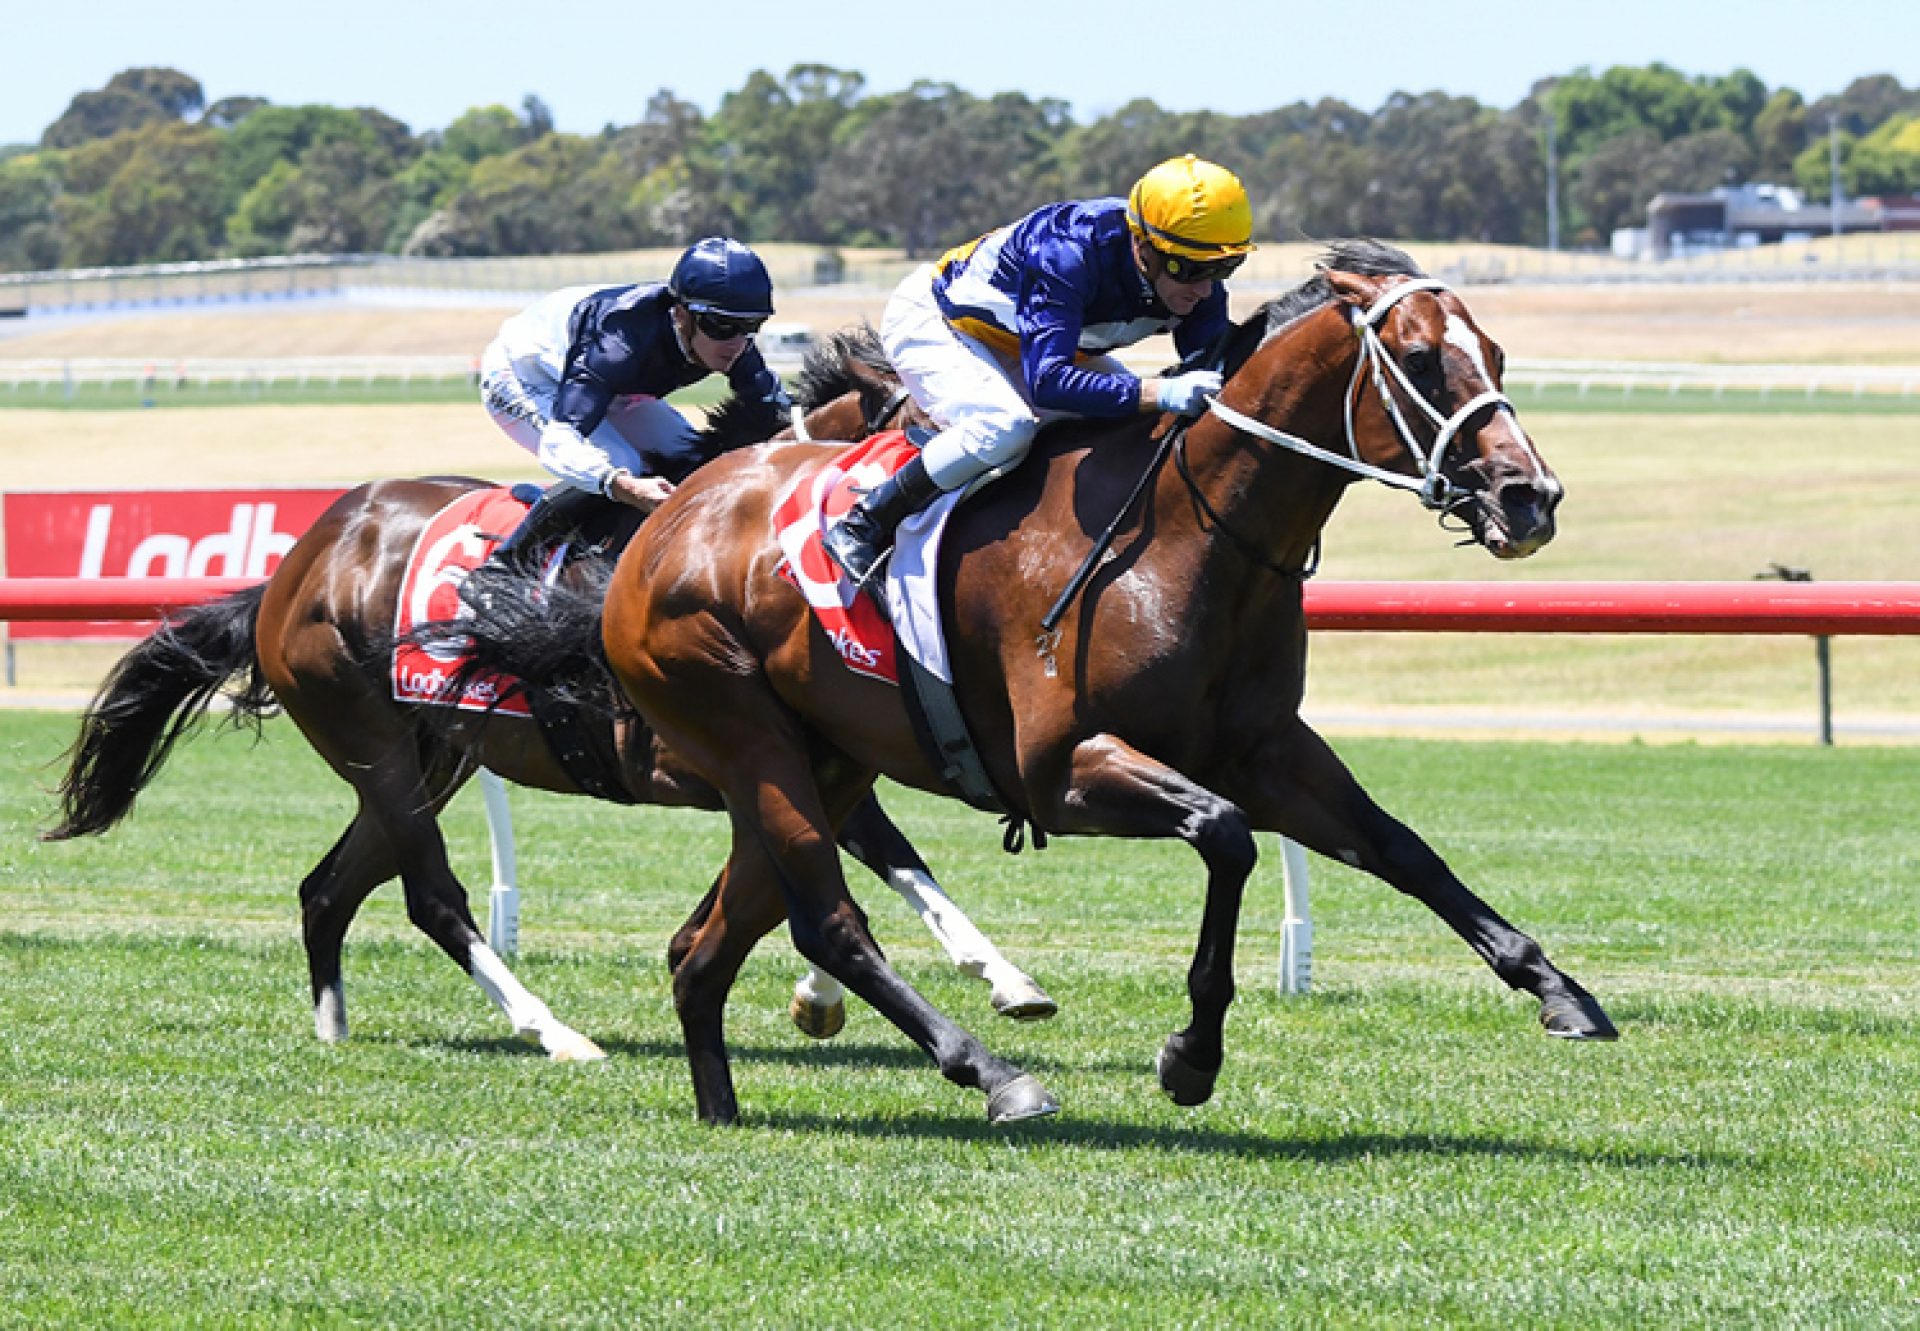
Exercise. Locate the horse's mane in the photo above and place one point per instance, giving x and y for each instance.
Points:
(1361, 255)
(849, 361)
(735, 423)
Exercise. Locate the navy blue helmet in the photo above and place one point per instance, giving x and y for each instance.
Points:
(724, 277)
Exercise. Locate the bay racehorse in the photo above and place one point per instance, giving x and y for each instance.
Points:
(1164, 704)
(313, 641)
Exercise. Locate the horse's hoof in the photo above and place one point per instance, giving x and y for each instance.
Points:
(1023, 1000)
(1022, 1098)
(1185, 1084)
(818, 1021)
(578, 1049)
(1576, 1016)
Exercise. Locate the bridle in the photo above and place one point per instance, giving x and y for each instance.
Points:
(875, 419)
(1436, 491)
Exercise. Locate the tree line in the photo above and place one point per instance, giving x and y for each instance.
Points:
(146, 170)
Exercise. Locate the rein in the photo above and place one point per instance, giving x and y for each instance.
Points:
(1050, 622)
(1247, 547)
(1436, 492)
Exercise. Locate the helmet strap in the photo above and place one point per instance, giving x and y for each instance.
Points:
(682, 320)
(1145, 257)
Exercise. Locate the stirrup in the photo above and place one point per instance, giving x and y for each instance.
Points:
(858, 555)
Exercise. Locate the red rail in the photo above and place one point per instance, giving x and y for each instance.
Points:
(1811, 608)
(108, 598)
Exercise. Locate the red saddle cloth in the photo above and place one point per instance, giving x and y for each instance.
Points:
(860, 632)
(451, 545)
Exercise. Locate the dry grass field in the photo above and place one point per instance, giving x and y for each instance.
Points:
(199, 446)
(1654, 496)
(1812, 323)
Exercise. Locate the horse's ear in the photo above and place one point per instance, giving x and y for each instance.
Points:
(1352, 288)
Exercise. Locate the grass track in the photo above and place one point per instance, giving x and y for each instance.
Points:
(1402, 1147)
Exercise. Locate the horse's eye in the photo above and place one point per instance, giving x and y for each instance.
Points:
(1420, 362)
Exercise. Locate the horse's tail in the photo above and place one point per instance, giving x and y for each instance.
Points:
(545, 637)
(159, 691)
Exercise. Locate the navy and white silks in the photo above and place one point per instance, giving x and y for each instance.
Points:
(579, 377)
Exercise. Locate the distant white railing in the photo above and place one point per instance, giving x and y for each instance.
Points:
(1874, 256)
(372, 278)
(1629, 377)
(1625, 377)
(67, 376)
(43, 373)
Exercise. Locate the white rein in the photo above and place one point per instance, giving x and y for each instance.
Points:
(1435, 490)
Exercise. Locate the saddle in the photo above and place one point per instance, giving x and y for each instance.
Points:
(454, 544)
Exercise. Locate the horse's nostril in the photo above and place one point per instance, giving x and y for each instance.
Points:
(1526, 506)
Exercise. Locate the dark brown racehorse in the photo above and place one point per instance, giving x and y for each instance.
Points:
(1166, 704)
(312, 641)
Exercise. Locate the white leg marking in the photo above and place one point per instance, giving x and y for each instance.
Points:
(1014, 992)
(531, 1018)
(820, 989)
(330, 1013)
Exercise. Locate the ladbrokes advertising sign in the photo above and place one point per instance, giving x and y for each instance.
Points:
(151, 534)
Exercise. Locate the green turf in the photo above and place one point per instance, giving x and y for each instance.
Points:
(1402, 1147)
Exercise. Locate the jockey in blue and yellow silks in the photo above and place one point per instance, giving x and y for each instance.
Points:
(1012, 331)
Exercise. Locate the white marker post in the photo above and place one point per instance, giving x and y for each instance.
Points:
(1296, 935)
(503, 904)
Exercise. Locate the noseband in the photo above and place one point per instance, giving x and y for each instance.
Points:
(1435, 490)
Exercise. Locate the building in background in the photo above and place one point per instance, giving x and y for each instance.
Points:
(1743, 216)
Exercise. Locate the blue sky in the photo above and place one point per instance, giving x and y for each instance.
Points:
(594, 62)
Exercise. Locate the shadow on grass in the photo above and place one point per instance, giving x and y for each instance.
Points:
(1106, 1134)
(801, 1054)
(1070, 1130)
(825, 1054)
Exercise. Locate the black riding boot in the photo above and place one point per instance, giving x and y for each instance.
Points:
(864, 532)
(559, 510)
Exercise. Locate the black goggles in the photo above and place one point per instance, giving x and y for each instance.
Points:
(1181, 268)
(726, 327)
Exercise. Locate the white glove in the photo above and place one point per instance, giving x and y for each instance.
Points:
(1187, 393)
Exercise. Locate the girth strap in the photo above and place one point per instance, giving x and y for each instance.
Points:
(585, 746)
(934, 714)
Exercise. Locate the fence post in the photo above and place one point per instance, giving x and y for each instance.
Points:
(1823, 655)
(503, 903)
(1296, 934)
(1822, 649)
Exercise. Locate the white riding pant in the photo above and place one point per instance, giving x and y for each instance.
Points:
(519, 396)
(974, 394)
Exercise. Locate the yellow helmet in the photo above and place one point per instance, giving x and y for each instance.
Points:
(1193, 208)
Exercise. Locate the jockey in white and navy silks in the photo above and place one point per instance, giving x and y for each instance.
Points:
(580, 380)
(1012, 331)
